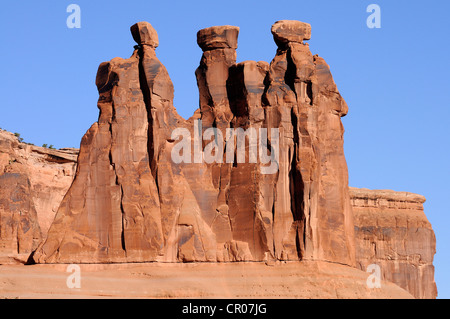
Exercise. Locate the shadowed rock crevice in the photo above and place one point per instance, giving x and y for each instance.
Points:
(146, 94)
(297, 194)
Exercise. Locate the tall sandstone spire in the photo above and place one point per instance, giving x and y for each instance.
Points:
(131, 202)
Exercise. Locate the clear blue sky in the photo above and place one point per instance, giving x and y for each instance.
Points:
(395, 79)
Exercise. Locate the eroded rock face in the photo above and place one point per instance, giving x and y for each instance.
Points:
(33, 181)
(393, 232)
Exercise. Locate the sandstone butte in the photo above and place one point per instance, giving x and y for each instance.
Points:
(130, 202)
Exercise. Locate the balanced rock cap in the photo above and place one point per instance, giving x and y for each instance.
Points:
(218, 37)
(286, 31)
(144, 34)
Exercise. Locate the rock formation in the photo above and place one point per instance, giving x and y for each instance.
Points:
(132, 202)
(258, 173)
(393, 232)
(33, 181)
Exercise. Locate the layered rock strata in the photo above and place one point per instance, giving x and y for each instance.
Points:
(393, 232)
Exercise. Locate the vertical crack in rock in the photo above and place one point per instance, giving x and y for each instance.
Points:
(117, 184)
(297, 193)
(291, 72)
(122, 234)
(146, 94)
